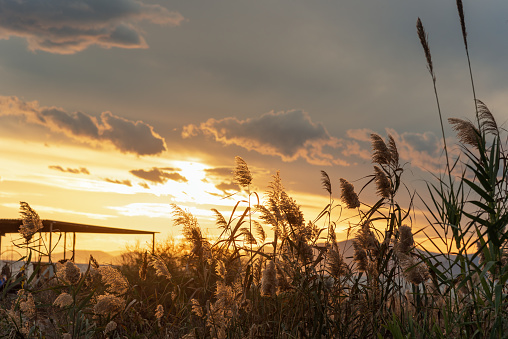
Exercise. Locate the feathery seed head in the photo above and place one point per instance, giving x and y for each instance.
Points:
(63, 300)
(360, 256)
(488, 123)
(348, 194)
(31, 223)
(460, 9)
(107, 304)
(467, 133)
(381, 154)
(405, 242)
(269, 279)
(160, 267)
(111, 326)
(394, 153)
(72, 273)
(196, 308)
(27, 306)
(242, 174)
(425, 44)
(114, 280)
(415, 272)
(382, 183)
(159, 312)
(325, 180)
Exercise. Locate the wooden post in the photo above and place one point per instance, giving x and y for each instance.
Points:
(153, 243)
(50, 241)
(65, 243)
(1, 235)
(74, 246)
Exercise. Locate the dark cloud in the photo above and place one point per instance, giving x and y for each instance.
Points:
(67, 27)
(227, 186)
(158, 175)
(226, 172)
(287, 134)
(81, 170)
(127, 136)
(121, 182)
(144, 185)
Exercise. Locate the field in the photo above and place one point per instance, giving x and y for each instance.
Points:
(272, 274)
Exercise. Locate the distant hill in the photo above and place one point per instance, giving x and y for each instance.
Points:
(82, 256)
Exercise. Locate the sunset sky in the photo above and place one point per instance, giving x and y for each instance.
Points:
(110, 111)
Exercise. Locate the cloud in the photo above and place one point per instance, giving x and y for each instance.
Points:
(81, 170)
(159, 175)
(126, 135)
(120, 182)
(67, 27)
(287, 134)
(421, 150)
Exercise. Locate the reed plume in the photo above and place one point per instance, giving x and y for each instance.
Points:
(467, 133)
(425, 44)
(269, 279)
(382, 183)
(108, 304)
(114, 280)
(242, 175)
(160, 267)
(63, 300)
(405, 242)
(325, 181)
(360, 256)
(348, 195)
(394, 153)
(381, 153)
(159, 312)
(413, 271)
(487, 121)
(31, 223)
(110, 327)
(196, 308)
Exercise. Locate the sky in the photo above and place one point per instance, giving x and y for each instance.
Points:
(111, 111)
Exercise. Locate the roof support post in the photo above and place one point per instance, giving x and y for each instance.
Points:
(65, 243)
(50, 241)
(74, 246)
(153, 243)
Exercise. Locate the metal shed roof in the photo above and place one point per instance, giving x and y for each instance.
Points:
(12, 226)
(50, 226)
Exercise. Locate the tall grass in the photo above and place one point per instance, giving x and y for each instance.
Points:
(272, 274)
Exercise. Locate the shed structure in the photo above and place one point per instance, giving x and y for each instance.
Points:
(50, 226)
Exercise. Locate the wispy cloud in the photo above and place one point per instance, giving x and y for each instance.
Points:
(120, 182)
(67, 27)
(126, 135)
(81, 170)
(287, 134)
(159, 175)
